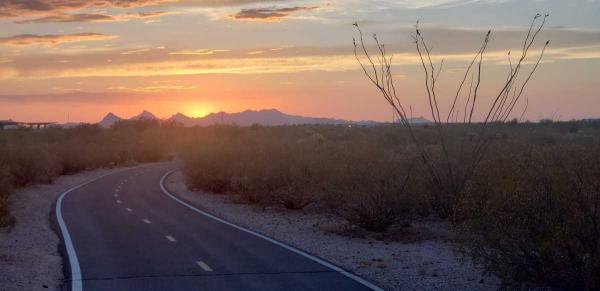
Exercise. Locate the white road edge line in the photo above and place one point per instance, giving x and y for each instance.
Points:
(204, 266)
(170, 238)
(76, 284)
(281, 244)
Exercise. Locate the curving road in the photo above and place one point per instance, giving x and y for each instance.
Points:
(124, 231)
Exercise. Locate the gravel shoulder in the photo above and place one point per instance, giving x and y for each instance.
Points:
(29, 252)
(425, 264)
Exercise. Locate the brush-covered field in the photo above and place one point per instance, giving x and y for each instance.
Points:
(529, 210)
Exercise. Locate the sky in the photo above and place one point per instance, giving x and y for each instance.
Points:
(78, 60)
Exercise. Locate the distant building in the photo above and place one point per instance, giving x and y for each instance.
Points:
(9, 124)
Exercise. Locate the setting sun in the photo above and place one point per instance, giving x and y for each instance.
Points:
(196, 109)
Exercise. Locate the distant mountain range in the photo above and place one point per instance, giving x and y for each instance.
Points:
(267, 117)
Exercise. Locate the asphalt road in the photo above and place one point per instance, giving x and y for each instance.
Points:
(122, 232)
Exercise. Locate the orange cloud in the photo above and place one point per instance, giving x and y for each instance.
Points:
(269, 14)
(567, 44)
(65, 17)
(161, 88)
(15, 9)
(198, 52)
(36, 8)
(52, 39)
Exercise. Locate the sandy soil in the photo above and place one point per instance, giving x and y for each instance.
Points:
(424, 262)
(29, 252)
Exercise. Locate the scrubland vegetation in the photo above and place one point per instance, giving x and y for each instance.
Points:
(530, 212)
(38, 156)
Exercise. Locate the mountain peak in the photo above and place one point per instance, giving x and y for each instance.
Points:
(179, 114)
(109, 120)
(272, 110)
(144, 115)
(182, 118)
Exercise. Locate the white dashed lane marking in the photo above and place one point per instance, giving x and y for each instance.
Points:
(119, 201)
(129, 209)
(146, 221)
(204, 266)
(170, 238)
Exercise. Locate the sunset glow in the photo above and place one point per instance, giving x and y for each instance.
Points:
(198, 57)
(197, 109)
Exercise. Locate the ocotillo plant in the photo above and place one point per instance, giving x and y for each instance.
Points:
(459, 158)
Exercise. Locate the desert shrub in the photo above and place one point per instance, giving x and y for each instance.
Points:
(259, 173)
(262, 165)
(369, 185)
(533, 215)
(74, 156)
(209, 166)
(286, 172)
(32, 163)
(303, 184)
(351, 171)
(148, 147)
(6, 189)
